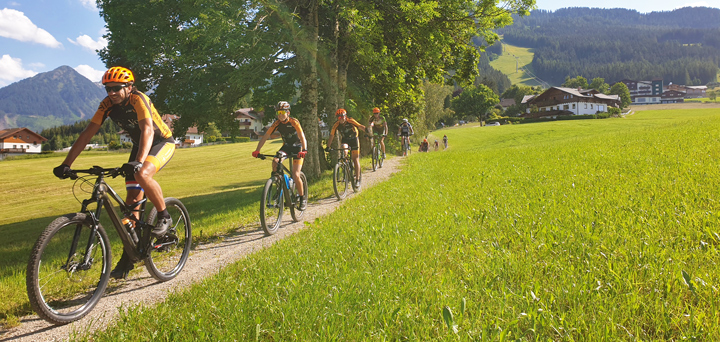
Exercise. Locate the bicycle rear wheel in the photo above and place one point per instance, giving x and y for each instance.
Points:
(295, 211)
(340, 180)
(375, 158)
(61, 286)
(271, 206)
(169, 253)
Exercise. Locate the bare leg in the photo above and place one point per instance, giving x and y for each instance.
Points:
(152, 189)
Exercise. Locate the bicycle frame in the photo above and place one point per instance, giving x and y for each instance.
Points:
(103, 195)
(280, 171)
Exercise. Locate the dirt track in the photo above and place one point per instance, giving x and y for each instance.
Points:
(205, 260)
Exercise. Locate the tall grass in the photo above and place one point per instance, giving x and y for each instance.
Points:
(577, 230)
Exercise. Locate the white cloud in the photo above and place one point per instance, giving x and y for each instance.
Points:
(90, 73)
(11, 70)
(89, 4)
(15, 25)
(88, 43)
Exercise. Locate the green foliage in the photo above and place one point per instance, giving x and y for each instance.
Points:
(577, 82)
(621, 89)
(712, 95)
(598, 83)
(681, 46)
(474, 102)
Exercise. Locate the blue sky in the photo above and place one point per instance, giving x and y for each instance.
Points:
(41, 35)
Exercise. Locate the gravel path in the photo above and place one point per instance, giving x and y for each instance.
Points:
(205, 260)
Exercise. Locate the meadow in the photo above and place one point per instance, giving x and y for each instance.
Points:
(508, 66)
(220, 185)
(568, 230)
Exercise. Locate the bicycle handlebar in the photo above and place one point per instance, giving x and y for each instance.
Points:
(263, 156)
(96, 171)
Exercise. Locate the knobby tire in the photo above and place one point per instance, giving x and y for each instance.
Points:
(170, 253)
(61, 288)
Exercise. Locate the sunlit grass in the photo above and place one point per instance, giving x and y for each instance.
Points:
(569, 230)
(512, 67)
(220, 185)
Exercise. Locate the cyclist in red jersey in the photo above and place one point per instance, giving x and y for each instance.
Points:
(153, 147)
(293, 143)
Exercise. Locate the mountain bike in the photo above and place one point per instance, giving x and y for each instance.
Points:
(344, 173)
(405, 144)
(280, 188)
(69, 267)
(377, 155)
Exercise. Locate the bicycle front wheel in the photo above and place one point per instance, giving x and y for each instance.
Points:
(340, 180)
(295, 211)
(169, 253)
(271, 206)
(381, 159)
(375, 158)
(68, 270)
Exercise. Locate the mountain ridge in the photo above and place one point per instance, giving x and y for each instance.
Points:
(58, 97)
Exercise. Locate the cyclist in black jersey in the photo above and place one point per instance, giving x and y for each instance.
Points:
(405, 130)
(293, 143)
(348, 128)
(379, 126)
(153, 147)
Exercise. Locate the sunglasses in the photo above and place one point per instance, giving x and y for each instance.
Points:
(281, 112)
(115, 89)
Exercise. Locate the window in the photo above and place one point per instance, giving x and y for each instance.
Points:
(586, 106)
(601, 108)
(573, 106)
(566, 107)
(591, 106)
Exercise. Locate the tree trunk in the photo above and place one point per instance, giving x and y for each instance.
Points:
(307, 49)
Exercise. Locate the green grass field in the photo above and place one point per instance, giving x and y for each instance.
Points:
(508, 66)
(220, 185)
(569, 230)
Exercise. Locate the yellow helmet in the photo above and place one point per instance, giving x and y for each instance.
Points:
(118, 74)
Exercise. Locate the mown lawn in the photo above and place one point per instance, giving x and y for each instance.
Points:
(511, 67)
(572, 230)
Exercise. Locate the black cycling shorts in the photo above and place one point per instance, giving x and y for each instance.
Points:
(353, 143)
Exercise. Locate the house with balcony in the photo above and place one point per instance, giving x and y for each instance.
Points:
(191, 138)
(19, 141)
(250, 122)
(645, 92)
(694, 92)
(558, 101)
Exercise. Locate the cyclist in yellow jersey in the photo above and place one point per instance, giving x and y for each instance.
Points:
(379, 126)
(349, 130)
(153, 147)
(293, 143)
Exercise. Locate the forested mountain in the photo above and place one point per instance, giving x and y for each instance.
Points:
(680, 46)
(49, 99)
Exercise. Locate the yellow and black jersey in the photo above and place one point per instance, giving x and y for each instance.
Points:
(290, 130)
(127, 115)
(348, 130)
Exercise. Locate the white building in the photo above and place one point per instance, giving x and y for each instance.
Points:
(570, 101)
(19, 141)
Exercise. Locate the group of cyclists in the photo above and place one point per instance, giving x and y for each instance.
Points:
(153, 145)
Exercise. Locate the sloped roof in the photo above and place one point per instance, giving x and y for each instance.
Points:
(507, 102)
(10, 131)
